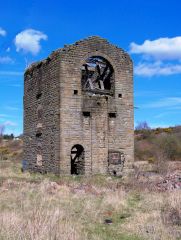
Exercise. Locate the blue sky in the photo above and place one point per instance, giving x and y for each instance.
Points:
(150, 31)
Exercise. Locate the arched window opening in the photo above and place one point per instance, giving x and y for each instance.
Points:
(97, 76)
(77, 160)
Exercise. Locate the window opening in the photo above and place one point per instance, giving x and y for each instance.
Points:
(97, 75)
(86, 114)
(38, 96)
(112, 115)
(38, 134)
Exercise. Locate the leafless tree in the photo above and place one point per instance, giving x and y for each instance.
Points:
(142, 125)
(2, 129)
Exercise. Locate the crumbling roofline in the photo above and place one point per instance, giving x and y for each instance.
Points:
(68, 48)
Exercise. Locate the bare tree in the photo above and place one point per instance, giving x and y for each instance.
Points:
(142, 125)
(2, 129)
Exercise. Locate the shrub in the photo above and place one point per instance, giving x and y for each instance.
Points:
(138, 155)
(168, 130)
(169, 145)
(143, 134)
(178, 154)
(151, 160)
(14, 154)
(171, 212)
(6, 136)
(14, 144)
(4, 151)
(161, 163)
(20, 155)
(146, 133)
(177, 129)
(136, 131)
(143, 154)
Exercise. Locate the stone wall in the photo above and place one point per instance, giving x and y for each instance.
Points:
(42, 116)
(59, 114)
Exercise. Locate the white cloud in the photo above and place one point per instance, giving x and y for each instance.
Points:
(162, 48)
(11, 73)
(6, 60)
(170, 103)
(11, 124)
(29, 41)
(2, 32)
(12, 108)
(157, 68)
(8, 49)
(15, 85)
(3, 115)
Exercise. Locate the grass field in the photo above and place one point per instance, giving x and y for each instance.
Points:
(41, 207)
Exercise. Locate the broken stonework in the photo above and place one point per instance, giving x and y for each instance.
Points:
(78, 110)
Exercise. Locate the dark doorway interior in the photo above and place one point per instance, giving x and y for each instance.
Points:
(77, 160)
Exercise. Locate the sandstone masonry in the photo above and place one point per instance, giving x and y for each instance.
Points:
(78, 110)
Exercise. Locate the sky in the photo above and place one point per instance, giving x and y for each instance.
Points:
(150, 31)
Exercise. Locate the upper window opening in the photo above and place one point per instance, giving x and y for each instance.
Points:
(112, 115)
(38, 134)
(86, 114)
(97, 75)
(38, 96)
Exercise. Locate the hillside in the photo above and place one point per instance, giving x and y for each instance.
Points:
(160, 147)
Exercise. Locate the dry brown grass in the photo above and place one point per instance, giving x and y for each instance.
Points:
(32, 208)
(148, 218)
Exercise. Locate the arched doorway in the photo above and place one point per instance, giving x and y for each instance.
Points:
(77, 160)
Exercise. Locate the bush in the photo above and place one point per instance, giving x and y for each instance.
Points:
(178, 154)
(177, 129)
(20, 155)
(169, 145)
(6, 136)
(4, 151)
(14, 154)
(161, 163)
(143, 134)
(168, 130)
(171, 215)
(151, 160)
(143, 154)
(146, 133)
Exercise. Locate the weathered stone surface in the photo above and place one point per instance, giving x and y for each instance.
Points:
(68, 125)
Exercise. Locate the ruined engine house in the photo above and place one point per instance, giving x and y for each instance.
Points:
(78, 110)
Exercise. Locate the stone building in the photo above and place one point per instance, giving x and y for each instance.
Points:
(78, 110)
